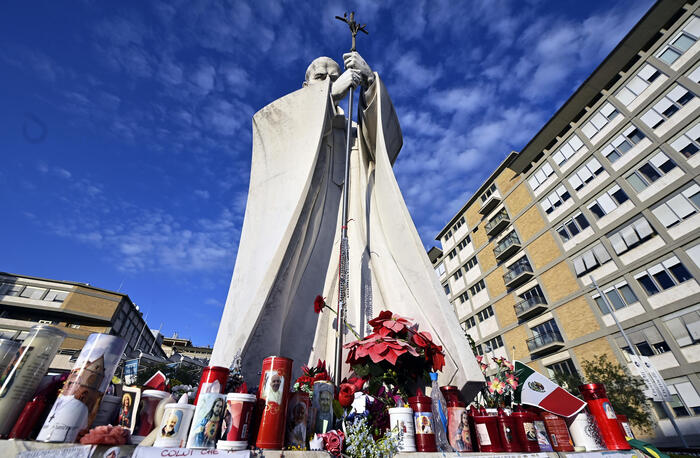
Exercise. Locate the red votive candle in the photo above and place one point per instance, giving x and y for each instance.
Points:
(423, 420)
(487, 434)
(525, 429)
(604, 414)
(274, 393)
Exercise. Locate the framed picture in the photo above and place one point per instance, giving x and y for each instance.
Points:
(129, 406)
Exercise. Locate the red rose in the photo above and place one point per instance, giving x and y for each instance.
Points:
(319, 303)
(346, 394)
(333, 440)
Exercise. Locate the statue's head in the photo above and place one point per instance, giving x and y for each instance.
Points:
(320, 69)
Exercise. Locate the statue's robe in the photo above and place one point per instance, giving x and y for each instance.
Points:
(289, 248)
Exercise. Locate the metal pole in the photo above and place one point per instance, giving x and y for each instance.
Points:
(634, 350)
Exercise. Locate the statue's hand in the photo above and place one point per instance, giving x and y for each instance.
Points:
(341, 86)
(353, 60)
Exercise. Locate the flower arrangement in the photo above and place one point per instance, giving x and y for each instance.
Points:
(395, 354)
(499, 391)
(311, 375)
(362, 444)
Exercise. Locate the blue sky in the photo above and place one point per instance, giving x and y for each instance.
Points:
(125, 127)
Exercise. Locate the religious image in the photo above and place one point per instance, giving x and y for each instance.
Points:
(129, 407)
(424, 422)
(274, 386)
(297, 415)
(459, 429)
(172, 423)
(323, 402)
(205, 425)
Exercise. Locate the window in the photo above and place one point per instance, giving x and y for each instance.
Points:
(446, 287)
(555, 199)
(55, 295)
(479, 350)
(452, 253)
(591, 259)
(567, 150)
(471, 263)
(685, 326)
(565, 367)
(464, 297)
(679, 207)
(631, 235)
(667, 106)
(599, 120)
(680, 42)
(689, 143)
(477, 287)
(14, 290)
(624, 142)
(485, 314)
(534, 294)
(457, 275)
(663, 276)
(491, 189)
(494, 343)
(463, 244)
(448, 235)
(608, 201)
(620, 296)
(458, 224)
(648, 341)
(637, 84)
(31, 292)
(470, 323)
(540, 176)
(440, 269)
(546, 332)
(572, 227)
(650, 171)
(585, 174)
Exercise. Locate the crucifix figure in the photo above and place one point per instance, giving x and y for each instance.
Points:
(294, 225)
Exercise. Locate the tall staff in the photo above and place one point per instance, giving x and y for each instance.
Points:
(343, 266)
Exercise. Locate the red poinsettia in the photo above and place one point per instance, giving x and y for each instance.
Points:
(423, 339)
(346, 394)
(319, 303)
(437, 356)
(379, 349)
(389, 324)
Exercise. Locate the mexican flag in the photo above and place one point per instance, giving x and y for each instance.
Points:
(537, 390)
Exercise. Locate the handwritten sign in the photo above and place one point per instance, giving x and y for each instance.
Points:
(166, 452)
(80, 451)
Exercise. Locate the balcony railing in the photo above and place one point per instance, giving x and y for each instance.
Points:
(517, 274)
(544, 342)
(507, 246)
(497, 223)
(530, 307)
(490, 203)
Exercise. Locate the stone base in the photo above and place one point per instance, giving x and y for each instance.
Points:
(30, 449)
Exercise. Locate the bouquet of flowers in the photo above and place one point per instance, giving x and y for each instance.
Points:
(499, 391)
(395, 354)
(311, 375)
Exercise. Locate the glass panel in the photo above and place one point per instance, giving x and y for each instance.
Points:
(684, 42)
(680, 272)
(582, 221)
(620, 196)
(648, 285)
(573, 229)
(636, 182)
(615, 299)
(649, 173)
(628, 294)
(637, 85)
(596, 210)
(602, 306)
(665, 215)
(606, 203)
(669, 56)
(664, 280)
(680, 206)
(563, 234)
(575, 142)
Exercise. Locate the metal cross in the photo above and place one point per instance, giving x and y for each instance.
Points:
(354, 27)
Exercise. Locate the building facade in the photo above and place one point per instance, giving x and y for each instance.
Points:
(77, 309)
(608, 189)
(176, 345)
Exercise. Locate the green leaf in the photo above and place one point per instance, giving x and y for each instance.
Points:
(338, 410)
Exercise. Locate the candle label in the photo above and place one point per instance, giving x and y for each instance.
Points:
(609, 411)
(530, 432)
(424, 422)
(20, 371)
(482, 433)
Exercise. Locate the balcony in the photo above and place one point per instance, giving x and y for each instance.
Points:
(545, 343)
(507, 247)
(497, 223)
(530, 307)
(490, 203)
(517, 275)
